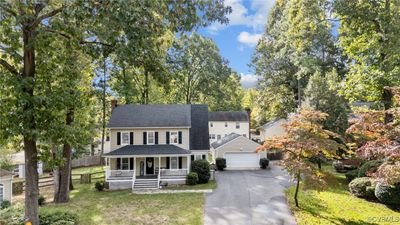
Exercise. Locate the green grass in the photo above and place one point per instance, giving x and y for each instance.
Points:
(123, 207)
(93, 169)
(210, 185)
(336, 205)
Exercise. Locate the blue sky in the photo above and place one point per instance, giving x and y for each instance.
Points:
(237, 40)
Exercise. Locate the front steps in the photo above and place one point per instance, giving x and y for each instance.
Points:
(145, 184)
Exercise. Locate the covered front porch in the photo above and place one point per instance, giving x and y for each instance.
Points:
(147, 167)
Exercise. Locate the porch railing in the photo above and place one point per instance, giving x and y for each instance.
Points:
(170, 173)
(119, 174)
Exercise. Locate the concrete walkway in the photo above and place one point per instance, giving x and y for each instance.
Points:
(249, 198)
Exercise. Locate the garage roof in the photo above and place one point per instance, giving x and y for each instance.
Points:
(224, 140)
(149, 150)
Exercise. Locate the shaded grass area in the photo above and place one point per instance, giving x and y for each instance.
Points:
(336, 205)
(212, 184)
(123, 207)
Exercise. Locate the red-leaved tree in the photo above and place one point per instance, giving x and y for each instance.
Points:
(304, 139)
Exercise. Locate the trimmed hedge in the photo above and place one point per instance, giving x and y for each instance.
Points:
(361, 187)
(369, 167)
(192, 178)
(264, 162)
(220, 163)
(99, 185)
(202, 168)
(388, 195)
(351, 175)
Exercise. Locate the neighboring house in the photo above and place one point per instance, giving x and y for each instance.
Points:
(18, 160)
(222, 124)
(153, 144)
(239, 152)
(271, 129)
(6, 178)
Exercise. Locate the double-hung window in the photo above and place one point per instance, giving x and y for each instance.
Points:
(125, 138)
(124, 163)
(173, 137)
(150, 138)
(174, 163)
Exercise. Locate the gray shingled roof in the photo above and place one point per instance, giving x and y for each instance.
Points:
(224, 140)
(149, 150)
(228, 116)
(150, 116)
(4, 172)
(199, 134)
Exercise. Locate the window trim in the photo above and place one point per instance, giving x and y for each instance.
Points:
(201, 156)
(127, 163)
(154, 138)
(211, 124)
(129, 137)
(177, 163)
(177, 137)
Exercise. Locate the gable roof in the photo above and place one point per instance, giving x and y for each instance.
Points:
(149, 150)
(230, 137)
(5, 173)
(134, 115)
(194, 117)
(273, 123)
(228, 116)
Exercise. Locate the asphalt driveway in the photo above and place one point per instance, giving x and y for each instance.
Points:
(249, 198)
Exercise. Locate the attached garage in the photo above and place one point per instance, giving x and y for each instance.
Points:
(239, 152)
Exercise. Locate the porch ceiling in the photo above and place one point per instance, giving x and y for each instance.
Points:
(148, 150)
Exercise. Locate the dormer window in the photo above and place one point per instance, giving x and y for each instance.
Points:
(125, 138)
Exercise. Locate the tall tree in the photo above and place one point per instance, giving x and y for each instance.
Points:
(297, 43)
(322, 93)
(89, 23)
(369, 35)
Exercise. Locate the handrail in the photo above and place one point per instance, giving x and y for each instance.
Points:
(158, 178)
(133, 179)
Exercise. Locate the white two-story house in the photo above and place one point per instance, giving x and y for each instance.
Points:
(155, 144)
(223, 123)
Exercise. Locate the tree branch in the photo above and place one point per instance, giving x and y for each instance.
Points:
(9, 67)
(47, 15)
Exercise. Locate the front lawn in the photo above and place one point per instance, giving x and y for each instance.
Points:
(337, 206)
(212, 184)
(123, 207)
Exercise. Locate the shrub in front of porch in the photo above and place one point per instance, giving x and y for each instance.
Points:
(202, 168)
(192, 178)
(220, 163)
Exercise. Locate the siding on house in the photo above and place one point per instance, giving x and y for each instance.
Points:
(219, 128)
(239, 144)
(138, 136)
(6, 181)
(273, 128)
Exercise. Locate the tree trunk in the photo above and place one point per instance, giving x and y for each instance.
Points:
(32, 176)
(63, 175)
(297, 189)
(103, 122)
(387, 97)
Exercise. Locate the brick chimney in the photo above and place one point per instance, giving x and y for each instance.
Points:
(248, 110)
(114, 104)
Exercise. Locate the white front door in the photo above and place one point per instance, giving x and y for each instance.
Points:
(242, 160)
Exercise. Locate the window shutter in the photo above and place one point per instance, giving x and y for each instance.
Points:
(167, 163)
(131, 138)
(203, 156)
(118, 163)
(118, 138)
(156, 138)
(180, 162)
(131, 164)
(167, 137)
(180, 137)
(192, 157)
(145, 138)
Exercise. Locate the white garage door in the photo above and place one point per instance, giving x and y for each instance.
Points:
(242, 160)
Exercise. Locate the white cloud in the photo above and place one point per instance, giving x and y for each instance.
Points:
(255, 16)
(248, 80)
(249, 39)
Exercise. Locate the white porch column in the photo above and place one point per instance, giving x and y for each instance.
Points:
(159, 163)
(188, 163)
